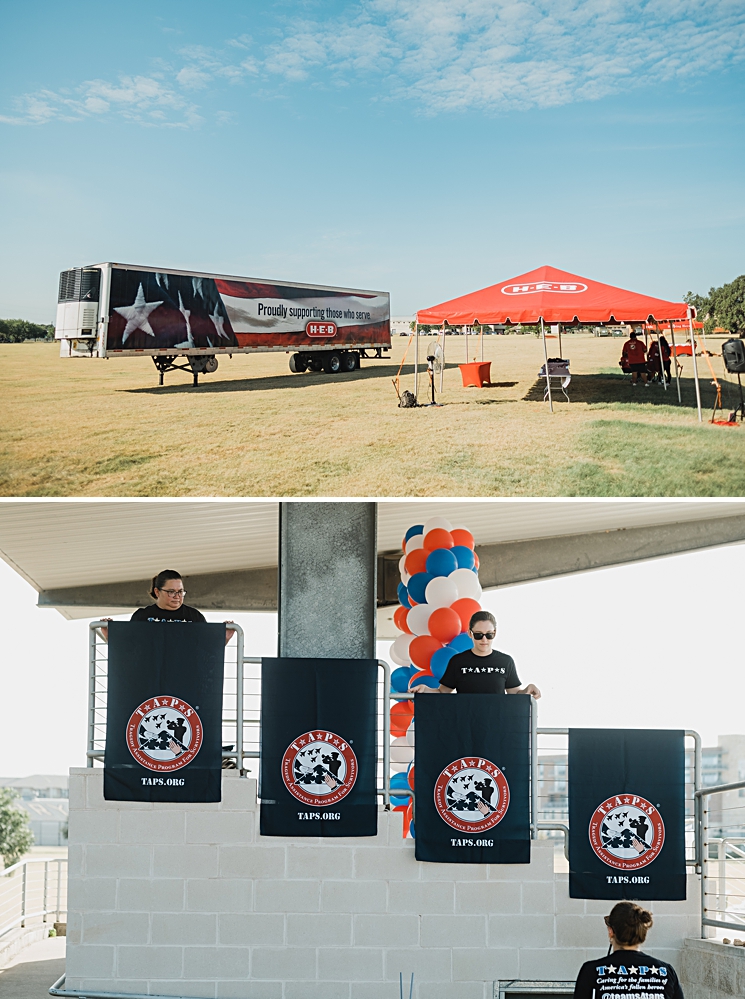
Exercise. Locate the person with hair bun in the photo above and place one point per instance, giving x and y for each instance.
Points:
(167, 590)
(627, 971)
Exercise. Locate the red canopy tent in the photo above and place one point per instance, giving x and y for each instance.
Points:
(549, 295)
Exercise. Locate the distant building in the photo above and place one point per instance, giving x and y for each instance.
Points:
(725, 764)
(401, 325)
(45, 799)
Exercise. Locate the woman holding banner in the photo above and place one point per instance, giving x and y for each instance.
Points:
(167, 590)
(627, 970)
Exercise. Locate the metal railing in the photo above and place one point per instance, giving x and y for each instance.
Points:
(723, 857)
(241, 714)
(32, 890)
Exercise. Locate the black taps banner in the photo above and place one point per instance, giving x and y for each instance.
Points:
(164, 711)
(627, 814)
(472, 778)
(318, 747)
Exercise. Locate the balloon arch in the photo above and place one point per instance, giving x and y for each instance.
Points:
(438, 594)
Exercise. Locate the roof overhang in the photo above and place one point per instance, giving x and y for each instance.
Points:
(91, 558)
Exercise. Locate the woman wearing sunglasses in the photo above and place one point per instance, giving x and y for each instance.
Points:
(627, 971)
(480, 670)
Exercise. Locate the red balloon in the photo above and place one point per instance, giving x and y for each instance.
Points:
(416, 561)
(408, 816)
(438, 538)
(421, 650)
(476, 562)
(410, 777)
(462, 537)
(416, 677)
(401, 714)
(444, 623)
(403, 546)
(465, 608)
(399, 619)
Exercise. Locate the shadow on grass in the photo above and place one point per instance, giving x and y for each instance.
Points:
(609, 389)
(265, 383)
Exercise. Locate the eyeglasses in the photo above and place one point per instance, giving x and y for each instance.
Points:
(478, 635)
(175, 593)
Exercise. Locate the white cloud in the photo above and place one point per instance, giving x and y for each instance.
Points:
(142, 99)
(444, 55)
(454, 55)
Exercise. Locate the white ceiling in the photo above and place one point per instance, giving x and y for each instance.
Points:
(60, 543)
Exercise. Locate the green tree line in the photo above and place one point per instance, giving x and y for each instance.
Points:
(18, 330)
(723, 306)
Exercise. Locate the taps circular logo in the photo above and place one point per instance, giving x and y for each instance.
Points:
(319, 768)
(164, 734)
(472, 795)
(626, 832)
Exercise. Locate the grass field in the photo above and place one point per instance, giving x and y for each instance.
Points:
(79, 427)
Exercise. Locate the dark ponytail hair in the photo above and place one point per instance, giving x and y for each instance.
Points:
(161, 579)
(629, 923)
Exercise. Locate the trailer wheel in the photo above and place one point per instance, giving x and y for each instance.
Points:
(210, 365)
(316, 363)
(298, 363)
(332, 363)
(349, 361)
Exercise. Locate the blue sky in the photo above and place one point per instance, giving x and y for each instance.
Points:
(426, 148)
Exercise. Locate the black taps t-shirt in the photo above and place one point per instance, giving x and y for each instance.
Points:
(627, 973)
(155, 613)
(471, 674)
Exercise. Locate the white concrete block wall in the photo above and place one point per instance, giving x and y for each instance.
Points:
(189, 900)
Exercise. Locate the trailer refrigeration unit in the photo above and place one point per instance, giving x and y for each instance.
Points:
(121, 310)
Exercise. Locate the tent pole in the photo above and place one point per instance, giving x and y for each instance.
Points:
(674, 357)
(465, 340)
(558, 327)
(695, 366)
(416, 361)
(662, 359)
(442, 369)
(545, 361)
(481, 338)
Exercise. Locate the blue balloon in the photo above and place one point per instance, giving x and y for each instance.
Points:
(439, 661)
(428, 681)
(411, 830)
(461, 643)
(441, 562)
(400, 782)
(464, 556)
(418, 586)
(400, 679)
(403, 595)
(416, 529)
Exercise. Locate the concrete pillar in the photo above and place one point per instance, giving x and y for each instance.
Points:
(327, 588)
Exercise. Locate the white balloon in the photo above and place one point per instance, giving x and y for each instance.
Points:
(401, 564)
(399, 769)
(405, 577)
(415, 541)
(401, 751)
(418, 619)
(435, 522)
(410, 733)
(466, 582)
(399, 651)
(442, 591)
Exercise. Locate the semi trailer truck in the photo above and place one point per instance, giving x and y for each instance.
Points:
(186, 320)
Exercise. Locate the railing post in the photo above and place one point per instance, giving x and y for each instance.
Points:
(46, 880)
(704, 861)
(239, 671)
(59, 887)
(23, 896)
(386, 733)
(533, 768)
(91, 690)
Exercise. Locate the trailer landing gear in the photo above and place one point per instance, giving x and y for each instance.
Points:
(197, 366)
